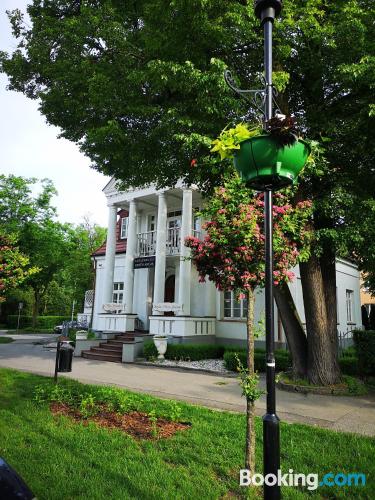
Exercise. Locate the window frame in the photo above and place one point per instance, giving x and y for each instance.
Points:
(241, 302)
(117, 291)
(124, 230)
(349, 295)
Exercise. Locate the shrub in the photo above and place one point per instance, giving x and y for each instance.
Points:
(349, 365)
(44, 322)
(185, 352)
(364, 341)
(283, 360)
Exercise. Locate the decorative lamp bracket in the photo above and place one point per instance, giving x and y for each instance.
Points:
(256, 98)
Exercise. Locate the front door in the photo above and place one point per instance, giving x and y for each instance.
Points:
(169, 292)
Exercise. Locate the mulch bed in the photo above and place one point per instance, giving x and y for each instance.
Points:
(136, 424)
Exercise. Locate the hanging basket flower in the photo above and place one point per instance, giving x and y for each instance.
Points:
(265, 159)
(264, 162)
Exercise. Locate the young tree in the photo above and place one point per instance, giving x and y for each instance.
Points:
(14, 267)
(232, 255)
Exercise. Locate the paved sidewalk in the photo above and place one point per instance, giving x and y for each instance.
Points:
(339, 413)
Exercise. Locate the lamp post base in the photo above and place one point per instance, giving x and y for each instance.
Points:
(271, 453)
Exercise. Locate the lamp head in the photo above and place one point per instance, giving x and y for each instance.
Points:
(261, 5)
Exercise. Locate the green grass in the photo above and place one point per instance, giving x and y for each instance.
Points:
(6, 340)
(60, 459)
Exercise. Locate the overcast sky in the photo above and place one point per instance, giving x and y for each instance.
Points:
(30, 148)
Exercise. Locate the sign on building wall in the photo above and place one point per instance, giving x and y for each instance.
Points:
(144, 262)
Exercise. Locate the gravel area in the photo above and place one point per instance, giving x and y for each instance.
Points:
(209, 365)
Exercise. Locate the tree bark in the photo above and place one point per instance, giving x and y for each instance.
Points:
(293, 329)
(322, 366)
(328, 266)
(250, 405)
(35, 307)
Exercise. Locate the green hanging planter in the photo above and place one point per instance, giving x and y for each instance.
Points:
(264, 163)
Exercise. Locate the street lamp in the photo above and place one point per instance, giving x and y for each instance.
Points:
(266, 11)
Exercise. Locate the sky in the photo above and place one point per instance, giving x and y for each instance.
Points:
(29, 147)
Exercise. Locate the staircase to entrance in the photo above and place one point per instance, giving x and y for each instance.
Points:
(111, 350)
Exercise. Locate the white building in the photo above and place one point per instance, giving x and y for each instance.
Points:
(144, 281)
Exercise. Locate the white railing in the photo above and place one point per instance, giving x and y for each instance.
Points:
(173, 241)
(146, 244)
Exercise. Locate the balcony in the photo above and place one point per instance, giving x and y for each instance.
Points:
(146, 242)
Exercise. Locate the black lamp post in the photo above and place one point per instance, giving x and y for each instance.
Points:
(266, 11)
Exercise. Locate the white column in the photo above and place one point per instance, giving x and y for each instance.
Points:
(185, 265)
(110, 253)
(161, 242)
(131, 246)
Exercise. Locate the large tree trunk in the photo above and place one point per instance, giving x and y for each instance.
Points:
(250, 405)
(293, 329)
(322, 360)
(328, 266)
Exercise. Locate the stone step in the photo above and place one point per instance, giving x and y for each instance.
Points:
(102, 357)
(106, 350)
(120, 341)
(104, 345)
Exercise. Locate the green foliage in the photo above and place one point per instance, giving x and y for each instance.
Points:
(283, 360)
(185, 352)
(6, 340)
(154, 420)
(44, 322)
(349, 365)
(355, 387)
(248, 382)
(364, 341)
(14, 268)
(230, 139)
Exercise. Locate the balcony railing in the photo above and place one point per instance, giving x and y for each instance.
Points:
(146, 243)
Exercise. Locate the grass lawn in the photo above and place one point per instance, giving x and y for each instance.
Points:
(61, 459)
(6, 340)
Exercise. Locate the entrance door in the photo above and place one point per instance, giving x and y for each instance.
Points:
(169, 292)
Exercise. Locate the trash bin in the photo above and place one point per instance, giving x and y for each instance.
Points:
(65, 357)
(12, 486)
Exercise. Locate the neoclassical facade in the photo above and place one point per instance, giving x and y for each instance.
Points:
(144, 279)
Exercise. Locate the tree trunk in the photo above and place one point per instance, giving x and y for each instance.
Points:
(35, 308)
(328, 266)
(250, 405)
(322, 366)
(293, 329)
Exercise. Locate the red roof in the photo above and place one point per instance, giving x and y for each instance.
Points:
(120, 243)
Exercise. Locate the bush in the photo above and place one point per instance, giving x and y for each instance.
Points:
(44, 322)
(364, 341)
(185, 352)
(349, 365)
(283, 360)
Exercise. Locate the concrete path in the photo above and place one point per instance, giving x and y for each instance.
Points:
(350, 414)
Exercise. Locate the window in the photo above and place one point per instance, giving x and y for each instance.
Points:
(234, 308)
(118, 293)
(124, 228)
(151, 223)
(349, 306)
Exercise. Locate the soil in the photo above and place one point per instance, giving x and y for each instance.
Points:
(135, 424)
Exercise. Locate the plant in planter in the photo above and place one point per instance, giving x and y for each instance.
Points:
(270, 156)
(161, 344)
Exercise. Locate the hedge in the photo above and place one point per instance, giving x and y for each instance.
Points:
(364, 341)
(185, 352)
(349, 365)
(41, 321)
(283, 360)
